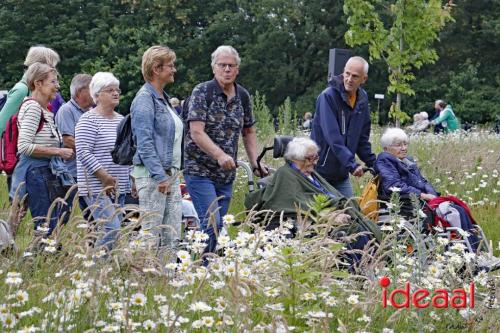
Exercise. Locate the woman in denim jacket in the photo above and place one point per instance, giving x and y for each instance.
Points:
(158, 134)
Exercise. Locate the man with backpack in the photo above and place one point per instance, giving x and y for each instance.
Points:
(217, 114)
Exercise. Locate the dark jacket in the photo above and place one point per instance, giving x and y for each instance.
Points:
(402, 174)
(341, 131)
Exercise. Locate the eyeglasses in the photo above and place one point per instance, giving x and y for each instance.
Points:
(53, 82)
(223, 66)
(171, 66)
(111, 90)
(400, 144)
(312, 158)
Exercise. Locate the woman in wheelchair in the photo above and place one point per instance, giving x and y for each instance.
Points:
(293, 186)
(398, 172)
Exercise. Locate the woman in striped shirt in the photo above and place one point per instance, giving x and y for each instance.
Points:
(102, 183)
(38, 142)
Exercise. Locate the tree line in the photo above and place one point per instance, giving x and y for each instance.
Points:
(284, 46)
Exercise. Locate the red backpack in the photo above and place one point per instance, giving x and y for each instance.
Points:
(8, 142)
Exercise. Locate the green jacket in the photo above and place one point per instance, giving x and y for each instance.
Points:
(447, 119)
(14, 100)
(289, 189)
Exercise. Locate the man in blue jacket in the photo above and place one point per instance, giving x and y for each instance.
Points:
(341, 127)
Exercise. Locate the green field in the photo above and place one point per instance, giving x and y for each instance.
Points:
(264, 282)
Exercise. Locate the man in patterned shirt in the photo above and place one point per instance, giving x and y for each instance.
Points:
(219, 110)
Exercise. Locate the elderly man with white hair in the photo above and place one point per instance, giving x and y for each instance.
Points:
(101, 182)
(219, 111)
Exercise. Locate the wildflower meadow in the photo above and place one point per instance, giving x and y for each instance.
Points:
(264, 281)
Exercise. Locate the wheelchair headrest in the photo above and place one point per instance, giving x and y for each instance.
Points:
(280, 143)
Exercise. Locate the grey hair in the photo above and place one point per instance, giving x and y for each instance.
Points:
(79, 82)
(391, 135)
(175, 101)
(366, 66)
(424, 115)
(227, 50)
(441, 103)
(101, 80)
(40, 53)
(298, 148)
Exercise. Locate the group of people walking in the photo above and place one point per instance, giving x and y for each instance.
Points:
(75, 145)
(83, 132)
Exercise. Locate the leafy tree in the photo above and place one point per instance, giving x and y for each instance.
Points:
(264, 121)
(287, 117)
(401, 33)
(467, 73)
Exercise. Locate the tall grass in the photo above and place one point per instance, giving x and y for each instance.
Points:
(259, 281)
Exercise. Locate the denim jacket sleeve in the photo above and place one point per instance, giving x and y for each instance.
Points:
(143, 122)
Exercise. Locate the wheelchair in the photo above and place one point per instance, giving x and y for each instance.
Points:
(417, 237)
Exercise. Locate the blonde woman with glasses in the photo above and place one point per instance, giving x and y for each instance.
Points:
(158, 131)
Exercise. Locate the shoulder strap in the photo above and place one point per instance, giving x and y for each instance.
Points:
(42, 117)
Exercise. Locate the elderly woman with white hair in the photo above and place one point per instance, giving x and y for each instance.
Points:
(101, 182)
(397, 171)
(294, 185)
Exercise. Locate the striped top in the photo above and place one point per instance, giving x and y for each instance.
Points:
(95, 138)
(28, 121)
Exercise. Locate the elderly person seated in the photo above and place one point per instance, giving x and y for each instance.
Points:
(293, 186)
(420, 122)
(424, 122)
(399, 173)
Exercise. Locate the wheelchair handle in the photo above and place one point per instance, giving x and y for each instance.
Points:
(370, 170)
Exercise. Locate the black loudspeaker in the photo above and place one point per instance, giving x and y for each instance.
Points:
(337, 61)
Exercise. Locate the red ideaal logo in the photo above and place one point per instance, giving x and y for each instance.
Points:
(440, 297)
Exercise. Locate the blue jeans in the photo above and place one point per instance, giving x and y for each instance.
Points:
(42, 187)
(104, 211)
(344, 187)
(204, 193)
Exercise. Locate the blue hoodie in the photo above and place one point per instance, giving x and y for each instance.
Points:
(341, 132)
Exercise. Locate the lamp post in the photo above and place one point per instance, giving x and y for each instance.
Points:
(378, 97)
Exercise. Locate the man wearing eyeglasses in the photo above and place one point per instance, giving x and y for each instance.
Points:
(341, 127)
(219, 110)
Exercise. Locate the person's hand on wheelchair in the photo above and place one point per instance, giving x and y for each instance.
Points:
(261, 172)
